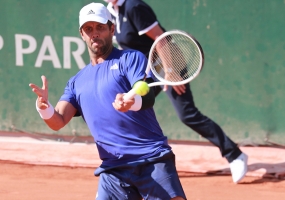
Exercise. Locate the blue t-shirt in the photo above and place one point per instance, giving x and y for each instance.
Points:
(120, 137)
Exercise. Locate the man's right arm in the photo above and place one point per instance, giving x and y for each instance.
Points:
(63, 113)
(56, 118)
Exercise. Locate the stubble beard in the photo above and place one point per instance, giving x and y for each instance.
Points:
(99, 51)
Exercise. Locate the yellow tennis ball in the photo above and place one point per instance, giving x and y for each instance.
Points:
(141, 88)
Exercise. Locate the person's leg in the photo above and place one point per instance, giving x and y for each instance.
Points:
(111, 187)
(207, 128)
(158, 180)
(188, 113)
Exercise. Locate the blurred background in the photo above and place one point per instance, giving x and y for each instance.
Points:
(241, 86)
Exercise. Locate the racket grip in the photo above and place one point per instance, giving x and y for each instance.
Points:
(129, 95)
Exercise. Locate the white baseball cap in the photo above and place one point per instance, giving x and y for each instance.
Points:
(94, 12)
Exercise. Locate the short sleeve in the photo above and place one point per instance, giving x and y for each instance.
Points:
(142, 16)
(69, 95)
(136, 63)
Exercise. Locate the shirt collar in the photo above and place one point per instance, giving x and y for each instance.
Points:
(114, 8)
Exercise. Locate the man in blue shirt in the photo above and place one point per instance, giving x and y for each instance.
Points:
(137, 161)
(136, 28)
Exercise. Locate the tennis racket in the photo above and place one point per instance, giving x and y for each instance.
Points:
(175, 58)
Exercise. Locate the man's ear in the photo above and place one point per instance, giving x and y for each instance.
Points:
(81, 33)
(113, 29)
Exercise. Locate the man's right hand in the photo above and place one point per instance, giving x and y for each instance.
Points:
(42, 93)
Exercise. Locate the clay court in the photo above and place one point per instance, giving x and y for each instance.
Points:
(34, 167)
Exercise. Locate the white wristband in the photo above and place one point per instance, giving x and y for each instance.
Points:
(46, 113)
(138, 103)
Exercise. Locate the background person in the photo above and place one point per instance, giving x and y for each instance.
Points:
(136, 28)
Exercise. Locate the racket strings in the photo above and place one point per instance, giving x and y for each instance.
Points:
(176, 58)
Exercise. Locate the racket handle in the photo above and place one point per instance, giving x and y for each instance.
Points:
(130, 94)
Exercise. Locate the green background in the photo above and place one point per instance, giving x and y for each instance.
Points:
(241, 86)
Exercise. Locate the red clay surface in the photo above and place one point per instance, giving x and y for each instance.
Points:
(32, 182)
(34, 168)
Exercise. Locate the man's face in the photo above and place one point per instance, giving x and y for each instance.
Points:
(97, 36)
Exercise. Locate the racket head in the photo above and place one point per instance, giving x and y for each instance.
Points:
(175, 58)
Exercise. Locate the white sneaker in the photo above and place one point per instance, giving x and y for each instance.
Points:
(239, 167)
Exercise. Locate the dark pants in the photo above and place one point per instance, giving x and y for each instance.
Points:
(150, 178)
(204, 126)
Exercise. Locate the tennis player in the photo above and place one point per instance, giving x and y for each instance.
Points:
(136, 28)
(137, 161)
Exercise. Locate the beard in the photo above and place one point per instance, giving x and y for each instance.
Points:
(102, 48)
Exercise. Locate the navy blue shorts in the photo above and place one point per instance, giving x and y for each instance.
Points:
(150, 180)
